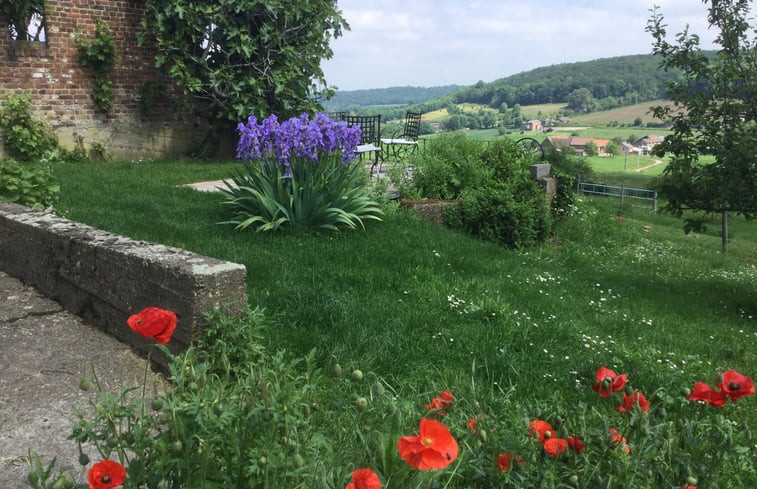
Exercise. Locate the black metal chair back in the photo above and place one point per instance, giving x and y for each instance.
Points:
(370, 127)
(412, 125)
(336, 116)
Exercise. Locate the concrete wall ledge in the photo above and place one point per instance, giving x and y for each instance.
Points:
(104, 278)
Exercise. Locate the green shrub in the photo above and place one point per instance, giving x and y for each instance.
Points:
(513, 213)
(448, 164)
(28, 184)
(25, 138)
(567, 169)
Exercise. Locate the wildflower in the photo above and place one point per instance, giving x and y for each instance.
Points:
(153, 322)
(735, 385)
(608, 382)
(618, 440)
(705, 393)
(555, 446)
(472, 426)
(434, 448)
(542, 428)
(364, 479)
(441, 403)
(106, 474)
(575, 443)
(635, 399)
(505, 460)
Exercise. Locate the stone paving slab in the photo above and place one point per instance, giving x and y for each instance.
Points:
(43, 353)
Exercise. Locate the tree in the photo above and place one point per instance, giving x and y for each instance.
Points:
(591, 149)
(714, 112)
(246, 57)
(581, 100)
(613, 149)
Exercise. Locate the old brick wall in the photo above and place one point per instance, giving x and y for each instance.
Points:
(61, 88)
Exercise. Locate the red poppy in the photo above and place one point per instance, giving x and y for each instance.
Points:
(364, 479)
(542, 428)
(618, 440)
(106, 474)
(575, 443)
(635, 399)
(505, 460)
(555, 446)
(472, 426)
(705, 393)
(608, 382)
(688, 486)
(442, 402)
(434, 448)
(735, 385)
(153, 322)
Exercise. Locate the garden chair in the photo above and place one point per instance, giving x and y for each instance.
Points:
(403, 145)
(370, 131)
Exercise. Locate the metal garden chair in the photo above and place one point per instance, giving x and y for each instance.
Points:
(403, 145)
(370, 132)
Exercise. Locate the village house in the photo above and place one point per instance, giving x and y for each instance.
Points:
(533, 125)
(577, 143)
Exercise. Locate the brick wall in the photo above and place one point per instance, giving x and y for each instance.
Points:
(61, 88)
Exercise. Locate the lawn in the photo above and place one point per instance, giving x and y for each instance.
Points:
(424, 308)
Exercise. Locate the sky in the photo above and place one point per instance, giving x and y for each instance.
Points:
(429, 43)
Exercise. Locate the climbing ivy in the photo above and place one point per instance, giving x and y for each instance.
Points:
(99, 54)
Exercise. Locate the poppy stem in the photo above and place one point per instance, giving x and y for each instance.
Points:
(144, 380)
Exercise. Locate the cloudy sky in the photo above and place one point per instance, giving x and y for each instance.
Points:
(441, 42)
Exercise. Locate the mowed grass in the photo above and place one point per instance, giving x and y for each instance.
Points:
(426, 307)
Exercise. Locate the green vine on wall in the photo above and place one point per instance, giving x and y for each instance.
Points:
(100, 55)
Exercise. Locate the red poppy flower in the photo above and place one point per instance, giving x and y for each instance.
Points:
(705, 393)
(364, 479)
(555, 446)
(434, 448)
(635, 399)
(153, 322)
(575, 443)
(505, 460)
(608, 382)
(735, 385)
(542, 428)
(688, 486)
(442, 402)
(106, 474)
(472, 426)
(618, 440)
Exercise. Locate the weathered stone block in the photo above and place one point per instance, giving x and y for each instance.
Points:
(104, 278)
(540, 171)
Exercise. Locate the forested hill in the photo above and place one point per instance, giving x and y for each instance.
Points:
(387, 96)
(612, 82)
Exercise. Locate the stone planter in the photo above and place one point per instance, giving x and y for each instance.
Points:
(430, 209)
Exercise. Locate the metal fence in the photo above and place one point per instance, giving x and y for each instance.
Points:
(636, 197)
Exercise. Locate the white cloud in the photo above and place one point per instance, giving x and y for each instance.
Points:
(440, 42)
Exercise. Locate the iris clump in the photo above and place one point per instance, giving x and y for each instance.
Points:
(300, 172)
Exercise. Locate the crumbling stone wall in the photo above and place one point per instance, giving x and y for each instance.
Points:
(140, 122)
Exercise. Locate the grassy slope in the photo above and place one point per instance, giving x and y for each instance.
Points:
(413, 301)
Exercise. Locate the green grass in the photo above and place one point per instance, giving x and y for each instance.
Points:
(381, 298)
(425, 308)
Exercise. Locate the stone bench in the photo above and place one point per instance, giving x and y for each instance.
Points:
(104, 278)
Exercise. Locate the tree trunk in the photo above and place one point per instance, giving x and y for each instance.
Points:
(725, 231)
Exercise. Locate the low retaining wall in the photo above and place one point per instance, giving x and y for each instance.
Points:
(104, 278)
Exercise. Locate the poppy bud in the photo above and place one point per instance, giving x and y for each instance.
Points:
(298, 461)
(58, 484)
(177, 447)
(377, 389)
(85, 384)
(157, 404)
(685, 392)
(83, 459)
(606, 384)
(218, 409)
(720, 379)
(482, 434)
(629, 390)
(112, 442)
(357, 375)
(337, 370)
(362, 404)
(573, 480)
(547, 435)
(68, 481)
(691, 480)
(262, 460)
